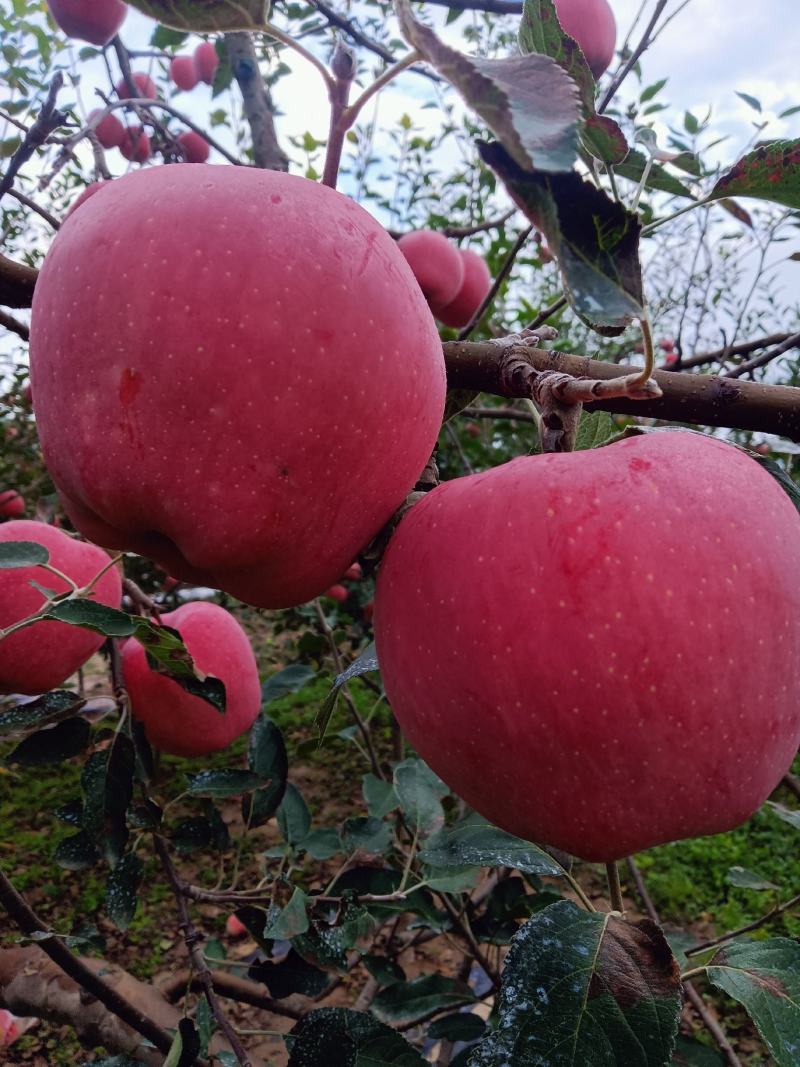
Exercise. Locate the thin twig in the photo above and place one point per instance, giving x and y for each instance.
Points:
(14, 325)
(770, 915)
(502, 274)
(26, 200)
(766, 357)
(644, 43)
(48, 120)
(547, 313)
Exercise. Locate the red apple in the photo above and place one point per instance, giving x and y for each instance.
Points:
(353, 573)
(109, 130)
(436, 263)
(208, 361)
(170, 584)
(235, 928)
(520, 620)
(148, 89)
(183, 71)
(667, 344)
(12, 505)
(195, 146)
(670, 359)
(136, 145)
(336, 592)
(476, 284)
(591, 23)
(90, 190)
(95, 22)
(368, 610)
(42, 656)
(206, 61)
(174, 720)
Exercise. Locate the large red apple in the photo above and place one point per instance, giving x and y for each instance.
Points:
(42, 656)
(174, 720)
(520, 619)
(436, 263)
(96, 21)
(183, 71)
(253, 386)
(206, 61)
(476, 284)
(12, 504)
(592, 24)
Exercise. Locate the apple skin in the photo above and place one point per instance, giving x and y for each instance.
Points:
(476, 284)
(520, 617)
(148, 90)
(354, 573)
(206, 62)
(177, 722)
(436, 263)
(95, 22)
(337, 592)
(592, 24)
(183, 71)
(136, 145)
(270, 293)
(196, 147)
(109, 130)
(235, 928)
(42, 656)
(12, 504)
(90, 190)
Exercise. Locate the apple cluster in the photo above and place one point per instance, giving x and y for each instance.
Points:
(453, 280)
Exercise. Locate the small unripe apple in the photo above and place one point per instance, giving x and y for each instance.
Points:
(354, 573)
(520, 621)
(337, 592)
(183, 71)
(196, 147)
(206, 61)
(109, 131)
(148, 89)
(95, 22)
(174, 720)
(42, 656)
(592, 24)
(136, 145)
(12, 505)
(235, 928)
(436, 263)
(208, 362)
(476, 284)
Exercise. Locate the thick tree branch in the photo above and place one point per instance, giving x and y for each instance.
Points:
(267, 153)
(30, 923)
(691, 398)
(14, 325)
(16, 283)
(231, 987)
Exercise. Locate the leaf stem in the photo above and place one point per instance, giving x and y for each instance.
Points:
(614, 888)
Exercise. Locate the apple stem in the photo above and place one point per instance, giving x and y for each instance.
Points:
(614, 888)
(649, 357)
(343, 65)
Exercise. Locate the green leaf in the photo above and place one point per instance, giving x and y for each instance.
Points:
(409, 1001)
(76, 853)
(345, 1038)
(52, 707)
(463, 1026)
(658, 177)
(289, 921)
(594, 430)
(451, 879)
(383, 970)
(90, 615)
(770, 172)
(289, 680)
(744, 879)
(477, 843)
(185, 1046)
(540, 32)
(168, 655)
(266, 757)
(122, 889)
(223, 783)
(764, 976)
(364, 664)
(751, 101)
(107, 784)
(595, 240)
(321, 844)
(292, 975)
(791, 816)
(528, 102)
(204, 1021)
(206, 16)
(368, 834)
(54, 744)
(690, 1053)
(164, 39)
(192, 834)
(22, 554)
(294, 819)
(420, 791)
(379, 795)
(584, 988)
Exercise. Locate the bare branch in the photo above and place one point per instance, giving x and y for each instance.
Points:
(14, 325)
(267, 153)
(49, 119)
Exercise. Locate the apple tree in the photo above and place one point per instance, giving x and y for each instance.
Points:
(448, 377)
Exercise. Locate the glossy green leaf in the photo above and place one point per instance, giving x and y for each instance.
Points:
(22, 554)
(339, 1037)
(367, 834)
(379, 795)
(266, 757)
(408, 1001)
(223, 783)
(122, 890)
(290, 921)
(289, 680)
(42, 711)
(475, 842)
(462, 1026)
(420, 793)
(594, 430)
(364, 664)
(90, 615)
(54, 744)
(294, 818)
(107, 784)
(76, 853)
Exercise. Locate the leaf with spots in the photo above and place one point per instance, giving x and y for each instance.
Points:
(45, 710)
(364, 664)
(206, 16)
(408, 1001)
(769, 172)
(122, 890)
(167, 654)
(475, 842)
(348, 1039)
(584, 987)
(540, 32)
(764, 976)
(528, 101)
(595, 240)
